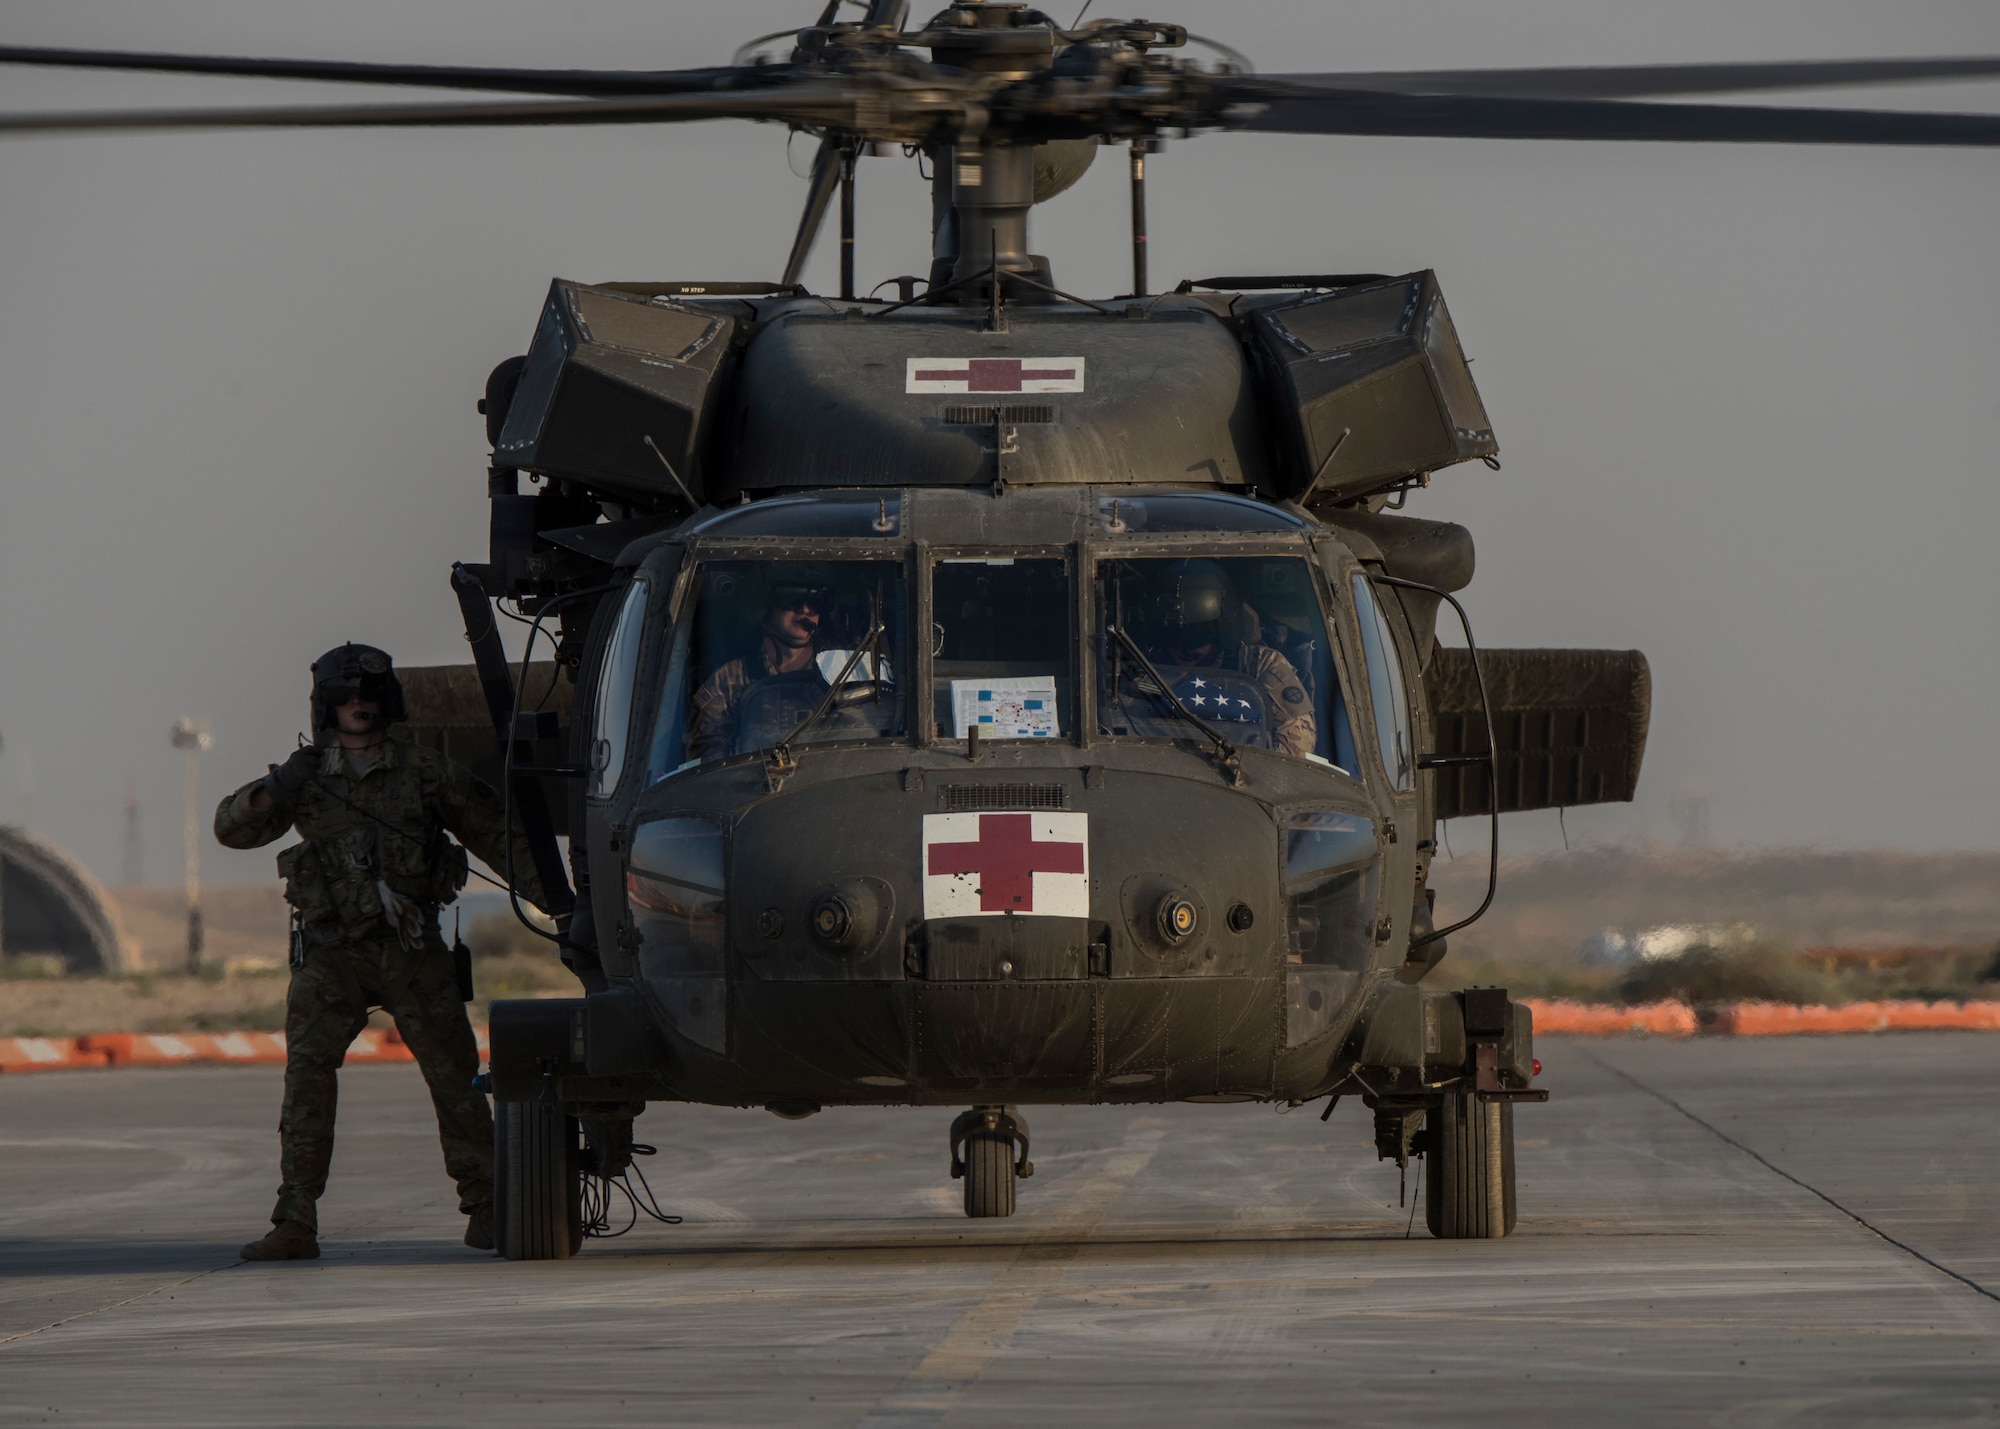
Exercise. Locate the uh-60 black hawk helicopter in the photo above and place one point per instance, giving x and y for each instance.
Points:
(987, 695)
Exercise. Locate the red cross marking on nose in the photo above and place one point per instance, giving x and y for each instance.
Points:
(1006, 858)
(995, 374)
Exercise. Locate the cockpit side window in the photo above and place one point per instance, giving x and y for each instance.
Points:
(770, 650)
(1242, 643)
(1000, 641)
(614, 693)
(1385, 688)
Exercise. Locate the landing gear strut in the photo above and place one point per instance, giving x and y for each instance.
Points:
(995, 1144)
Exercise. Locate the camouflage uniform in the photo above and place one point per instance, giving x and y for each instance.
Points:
(712, 732)
(1294, 726)
(369, 827)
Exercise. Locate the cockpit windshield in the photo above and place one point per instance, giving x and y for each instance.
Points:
(1000, 646)
(786, 652)
(1239, 643)
(778, 651)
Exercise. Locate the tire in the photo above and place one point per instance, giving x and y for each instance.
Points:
(537, 1182)
(1469, 1178)
(989, 1176)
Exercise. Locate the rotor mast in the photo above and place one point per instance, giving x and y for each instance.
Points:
(982, 187)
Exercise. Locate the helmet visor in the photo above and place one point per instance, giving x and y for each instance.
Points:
(794, 596)
(335, 693)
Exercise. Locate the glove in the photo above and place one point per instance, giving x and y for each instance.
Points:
(287, 781)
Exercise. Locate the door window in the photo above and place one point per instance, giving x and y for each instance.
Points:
(614, 693)
(1385, 689)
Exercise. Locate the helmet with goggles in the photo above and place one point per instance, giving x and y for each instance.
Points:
(356, 672)
(1197, 605)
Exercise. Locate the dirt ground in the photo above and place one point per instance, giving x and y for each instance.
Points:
(243, 926)
(243, 1001)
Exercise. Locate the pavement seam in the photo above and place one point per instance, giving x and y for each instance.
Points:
(1769, 1165)
(120, 1304)
(934, 1387)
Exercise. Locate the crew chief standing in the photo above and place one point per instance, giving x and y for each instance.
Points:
(365, 885)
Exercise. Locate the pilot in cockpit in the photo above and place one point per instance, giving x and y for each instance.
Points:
(794, 613)
(1197, 619)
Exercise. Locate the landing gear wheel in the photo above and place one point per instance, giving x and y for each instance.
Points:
(989, 1175)
(1469, 1178)
(537, 1182)
(994, 1145)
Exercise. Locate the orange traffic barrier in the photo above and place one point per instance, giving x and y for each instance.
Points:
(154, 1049)
(1763, 1019)
(45, 1054)
(181, 1049)
(1940, 1016)
(379, 1045)
(1777, 1019)
(1583, 1019)
(1552, 1016)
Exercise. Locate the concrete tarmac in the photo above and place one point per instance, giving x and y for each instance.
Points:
(1185, 1265)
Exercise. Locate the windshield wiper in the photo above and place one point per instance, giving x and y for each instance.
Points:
(780, 763)
(1226, 754)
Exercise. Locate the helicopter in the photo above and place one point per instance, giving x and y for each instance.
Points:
(1109, 858)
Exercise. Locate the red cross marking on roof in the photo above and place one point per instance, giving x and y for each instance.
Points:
(1006, 858)
(995, 374)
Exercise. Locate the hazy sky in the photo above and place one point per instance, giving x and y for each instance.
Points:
(1746, 396)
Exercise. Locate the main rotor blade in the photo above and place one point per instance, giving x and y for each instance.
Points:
(1493, 117)
(793, 104)
(825, 179)
(1640, 81)
(580, 82)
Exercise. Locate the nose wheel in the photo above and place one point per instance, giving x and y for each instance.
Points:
(989, 1149)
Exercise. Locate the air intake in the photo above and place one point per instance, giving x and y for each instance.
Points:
(1031, 414)
(981, 798)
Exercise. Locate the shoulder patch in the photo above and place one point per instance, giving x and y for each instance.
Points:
(1294, 695)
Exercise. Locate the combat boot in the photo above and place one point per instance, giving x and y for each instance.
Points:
(288, 1240)
(479, 1228)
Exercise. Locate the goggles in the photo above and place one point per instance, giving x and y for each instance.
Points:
(335, 693)
(801, 597)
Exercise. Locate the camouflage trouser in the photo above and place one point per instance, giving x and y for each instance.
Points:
(326, 1009)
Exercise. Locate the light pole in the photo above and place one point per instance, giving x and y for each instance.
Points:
(192, 736)
(133, 873)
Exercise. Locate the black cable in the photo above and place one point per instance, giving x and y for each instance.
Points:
(520, 619)
(1491, 761)
(392, 828)
(597, 1199)
(507, 747)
